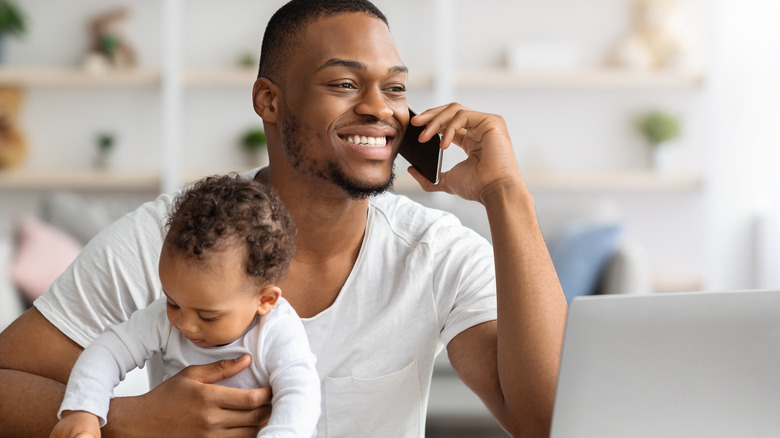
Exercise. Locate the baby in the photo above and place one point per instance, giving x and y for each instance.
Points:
(229, 242)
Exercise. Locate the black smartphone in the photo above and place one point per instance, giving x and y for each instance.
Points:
(425, 157)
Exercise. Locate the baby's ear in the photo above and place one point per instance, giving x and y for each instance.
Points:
(269, 296)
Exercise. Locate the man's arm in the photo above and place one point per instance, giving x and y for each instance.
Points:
(511, 363)
(35, 362)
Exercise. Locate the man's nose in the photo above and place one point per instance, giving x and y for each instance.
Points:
(373, 103)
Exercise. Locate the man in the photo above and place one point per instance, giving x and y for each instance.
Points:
(382, 283)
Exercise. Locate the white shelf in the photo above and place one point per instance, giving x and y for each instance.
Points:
(586, 78)
(220, 77)
(110, 180)
(73, 77)
(245, 77)
(678, 283)
(627, 181)
(615, 181)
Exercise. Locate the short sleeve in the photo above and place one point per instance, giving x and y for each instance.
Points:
(464, 278)
(115, 275)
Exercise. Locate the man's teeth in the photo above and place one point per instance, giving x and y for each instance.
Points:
(367, 141)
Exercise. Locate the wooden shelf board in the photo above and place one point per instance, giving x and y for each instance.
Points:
(74, 77)
(79, 180)
(626, 181)
(235, 77)
(220, 77)
(593, 78)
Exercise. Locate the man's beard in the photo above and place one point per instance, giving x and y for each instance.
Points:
(293, 137)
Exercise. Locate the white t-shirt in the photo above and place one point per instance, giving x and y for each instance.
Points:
(420, 279)
(277, 341)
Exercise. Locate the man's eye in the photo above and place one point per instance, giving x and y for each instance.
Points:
(344, 85)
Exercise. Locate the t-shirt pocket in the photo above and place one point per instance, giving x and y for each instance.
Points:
(386, 406)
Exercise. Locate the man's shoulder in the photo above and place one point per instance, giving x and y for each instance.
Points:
(411, 220)
(401, 209)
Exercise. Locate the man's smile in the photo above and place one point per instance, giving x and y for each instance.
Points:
(362, 140)
(369, 142)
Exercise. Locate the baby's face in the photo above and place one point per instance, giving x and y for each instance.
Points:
(211, 301)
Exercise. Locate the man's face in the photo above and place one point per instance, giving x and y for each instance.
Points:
(344, 104)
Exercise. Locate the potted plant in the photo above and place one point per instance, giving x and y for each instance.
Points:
(12, 22)
(105, 144)
(247, 60)
(253, 142)
(658, 128)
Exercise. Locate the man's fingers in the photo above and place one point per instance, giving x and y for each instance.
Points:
(423, 181)
(453, 122)
(241, 398)
(217, 371)
(248, 419)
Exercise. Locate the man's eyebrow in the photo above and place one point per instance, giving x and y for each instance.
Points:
(356, 65)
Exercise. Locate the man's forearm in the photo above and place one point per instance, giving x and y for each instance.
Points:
(29, 404)
(531, 305)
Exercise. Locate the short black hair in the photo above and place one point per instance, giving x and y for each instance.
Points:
(220, 211)
(283, 32)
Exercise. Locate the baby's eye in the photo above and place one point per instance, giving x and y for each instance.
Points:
(171, 305)
(212, 319)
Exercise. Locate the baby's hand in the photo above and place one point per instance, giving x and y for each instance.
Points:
(77, 424)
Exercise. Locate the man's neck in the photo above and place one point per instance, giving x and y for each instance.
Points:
(330, 233)
(329, 222)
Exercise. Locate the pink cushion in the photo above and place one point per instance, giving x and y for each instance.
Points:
(43, 252)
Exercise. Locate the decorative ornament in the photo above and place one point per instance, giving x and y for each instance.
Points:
(13, 146)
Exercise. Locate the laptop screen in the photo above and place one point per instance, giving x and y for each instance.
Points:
(698, 364)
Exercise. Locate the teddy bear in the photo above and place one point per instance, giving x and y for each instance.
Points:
(653, 42)
(13, 146)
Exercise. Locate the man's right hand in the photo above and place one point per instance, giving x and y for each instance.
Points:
(190, 405)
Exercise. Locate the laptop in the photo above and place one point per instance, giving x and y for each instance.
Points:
(692, 364)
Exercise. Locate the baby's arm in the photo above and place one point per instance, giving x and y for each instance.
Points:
(77, 424)
(295, 406)
(106, 361)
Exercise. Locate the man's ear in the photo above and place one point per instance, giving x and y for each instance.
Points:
(269, 296)
(265, 98)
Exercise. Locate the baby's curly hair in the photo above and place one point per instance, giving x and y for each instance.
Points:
(219, 211)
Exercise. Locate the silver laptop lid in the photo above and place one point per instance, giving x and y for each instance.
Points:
(671, 365)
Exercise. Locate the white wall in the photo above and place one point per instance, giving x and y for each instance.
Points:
(743, 143)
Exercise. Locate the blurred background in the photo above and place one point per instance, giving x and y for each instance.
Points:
(647, 130)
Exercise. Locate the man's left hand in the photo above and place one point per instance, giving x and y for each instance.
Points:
(490, 162)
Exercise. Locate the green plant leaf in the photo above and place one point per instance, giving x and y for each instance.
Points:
(12, 21)
(253, 138)
(658, 127)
